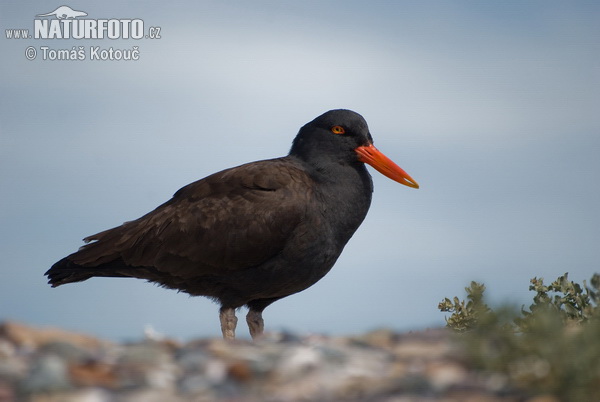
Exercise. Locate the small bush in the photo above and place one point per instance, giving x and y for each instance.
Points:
(552, 347)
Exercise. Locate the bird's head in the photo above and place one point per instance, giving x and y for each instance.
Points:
(343, 136)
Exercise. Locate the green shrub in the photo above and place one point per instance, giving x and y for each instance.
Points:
(551, 348)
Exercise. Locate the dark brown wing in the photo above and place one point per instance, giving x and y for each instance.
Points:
(230, 220)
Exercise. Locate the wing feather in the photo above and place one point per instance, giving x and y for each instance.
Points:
(231, 220)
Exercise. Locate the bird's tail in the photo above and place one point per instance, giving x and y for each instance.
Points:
(66, 271)
(102, 256)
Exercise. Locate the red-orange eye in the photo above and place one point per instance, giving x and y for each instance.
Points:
(338, 130)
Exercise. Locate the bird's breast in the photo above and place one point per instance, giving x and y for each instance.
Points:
(343, 203)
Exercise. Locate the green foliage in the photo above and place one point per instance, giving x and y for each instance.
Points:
(571, 302)
(465, 316)
(553, 347)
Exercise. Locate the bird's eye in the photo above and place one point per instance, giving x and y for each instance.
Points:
(338, 130)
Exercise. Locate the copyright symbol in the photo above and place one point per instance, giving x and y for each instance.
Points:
(30, 53)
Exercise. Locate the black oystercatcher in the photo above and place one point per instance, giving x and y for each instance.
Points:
(252, 234)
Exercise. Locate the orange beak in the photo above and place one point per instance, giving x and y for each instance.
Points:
(384, 165)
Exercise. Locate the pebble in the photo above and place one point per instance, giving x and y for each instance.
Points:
(41, 364)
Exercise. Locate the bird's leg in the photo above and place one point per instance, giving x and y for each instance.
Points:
(256, 325)
(228, 322)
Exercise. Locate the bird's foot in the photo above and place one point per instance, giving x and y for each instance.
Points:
(256, 325)
(228, 322)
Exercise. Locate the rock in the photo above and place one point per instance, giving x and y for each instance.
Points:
(93, 374)
(380, 338)
(148, 364)
(28, 337)
(47, 374)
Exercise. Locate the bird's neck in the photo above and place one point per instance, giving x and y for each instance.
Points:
(343, 192)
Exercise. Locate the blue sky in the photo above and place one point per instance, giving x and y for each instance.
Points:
(492, 108)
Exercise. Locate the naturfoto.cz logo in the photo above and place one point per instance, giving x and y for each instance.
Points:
(66, 23)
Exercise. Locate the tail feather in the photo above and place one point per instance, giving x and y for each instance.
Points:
(66, 271)
(105, 253)
(101, 256)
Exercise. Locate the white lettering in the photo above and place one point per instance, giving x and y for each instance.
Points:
(54, 32)
(96, 53)
(88, 29)
(40, 29)
(114, 29)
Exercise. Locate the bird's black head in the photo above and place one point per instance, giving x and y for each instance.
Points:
(342, 137)
(332, 137)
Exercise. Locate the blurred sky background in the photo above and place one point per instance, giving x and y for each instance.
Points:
(493, 107)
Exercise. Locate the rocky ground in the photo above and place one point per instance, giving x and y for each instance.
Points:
(48, 365)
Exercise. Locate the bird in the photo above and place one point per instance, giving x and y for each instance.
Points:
(249, 235)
